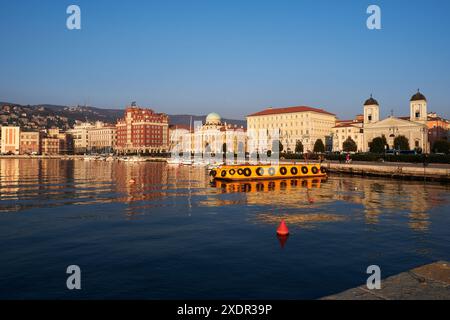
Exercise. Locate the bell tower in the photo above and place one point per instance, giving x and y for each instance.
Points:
(418, 108)
(371, 111)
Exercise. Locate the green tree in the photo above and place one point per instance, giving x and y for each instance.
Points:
(349, 145)
(378, 145)
(319, 146)
(401, 143)
(298, 147)
(441, 146)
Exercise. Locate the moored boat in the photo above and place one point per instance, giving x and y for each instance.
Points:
(258, 172)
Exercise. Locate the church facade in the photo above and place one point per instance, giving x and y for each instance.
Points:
(414, 127)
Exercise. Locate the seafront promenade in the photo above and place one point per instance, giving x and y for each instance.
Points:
(431, 172)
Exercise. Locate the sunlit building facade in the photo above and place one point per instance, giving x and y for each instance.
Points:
(142, 131)
(303, 124)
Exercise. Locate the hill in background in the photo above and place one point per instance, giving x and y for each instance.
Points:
(64, 117)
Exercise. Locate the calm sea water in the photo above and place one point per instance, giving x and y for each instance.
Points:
(173, 235)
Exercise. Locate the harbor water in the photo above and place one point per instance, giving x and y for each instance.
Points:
(149, 230)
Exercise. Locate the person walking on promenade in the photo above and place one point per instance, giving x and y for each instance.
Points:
(347, 158)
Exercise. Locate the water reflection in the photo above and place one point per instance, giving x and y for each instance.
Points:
(29, 183)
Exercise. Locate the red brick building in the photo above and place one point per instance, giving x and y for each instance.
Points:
(142, 131)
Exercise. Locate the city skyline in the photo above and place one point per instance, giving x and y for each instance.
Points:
(235, 59)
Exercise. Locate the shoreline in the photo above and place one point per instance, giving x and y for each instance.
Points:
(392, 170)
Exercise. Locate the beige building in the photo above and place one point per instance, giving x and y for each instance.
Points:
(89, 137)
(10, 140)
(101, 138)
(81, 137)
(345, 129)
(211, 137)
(414, 127)
(30, 142)
(304, 124)
(50, 146)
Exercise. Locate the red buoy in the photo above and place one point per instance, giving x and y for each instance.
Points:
(283, 229)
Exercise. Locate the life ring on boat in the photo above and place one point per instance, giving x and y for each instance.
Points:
(223, 173)
(260, 171)
(294, 171)
(314, 170)
(304, 170)
(283, 170)
(240, 171)
(323, 170)
(271, 171)
(247, 172)
(232, 172)
(213, 173)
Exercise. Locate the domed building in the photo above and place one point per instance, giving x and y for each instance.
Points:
(213, 119)
(213, 136)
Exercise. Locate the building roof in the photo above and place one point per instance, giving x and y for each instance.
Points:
(371, 101)
(271, 111)
(418, 96)
(345, 125)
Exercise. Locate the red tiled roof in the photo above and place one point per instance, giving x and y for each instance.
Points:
(270, 111)
(345, 125)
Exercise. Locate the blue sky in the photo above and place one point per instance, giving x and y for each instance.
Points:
(231, 57)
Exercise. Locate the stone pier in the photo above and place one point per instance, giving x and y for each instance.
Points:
(429, 282)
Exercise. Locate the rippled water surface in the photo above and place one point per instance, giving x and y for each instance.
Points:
(171, 234)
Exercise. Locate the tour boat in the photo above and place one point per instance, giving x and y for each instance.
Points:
(266, 171)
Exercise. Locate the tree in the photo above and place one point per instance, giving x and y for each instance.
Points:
(378, 145)
(349, 145)
(401, 143)
(441, 146)
(298, 147)
(319, 146)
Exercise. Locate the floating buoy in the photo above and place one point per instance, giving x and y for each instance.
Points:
(132, 181)
(282, 229)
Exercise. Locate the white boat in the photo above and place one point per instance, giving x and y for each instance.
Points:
(173, 161)
(186, 162)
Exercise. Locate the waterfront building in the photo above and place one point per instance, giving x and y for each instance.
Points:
(65, 141)
(414, 127)
(10, 140)
(101, 138)
(30, 142)
(142, 131)
(50, 146)
(438, 128)
(80, 136)
(180, 137)
(345, 129)
(304, 124)
(211, 137)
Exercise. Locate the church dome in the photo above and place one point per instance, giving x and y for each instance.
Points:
(213, 118)
(371, 101)
(418, 96)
